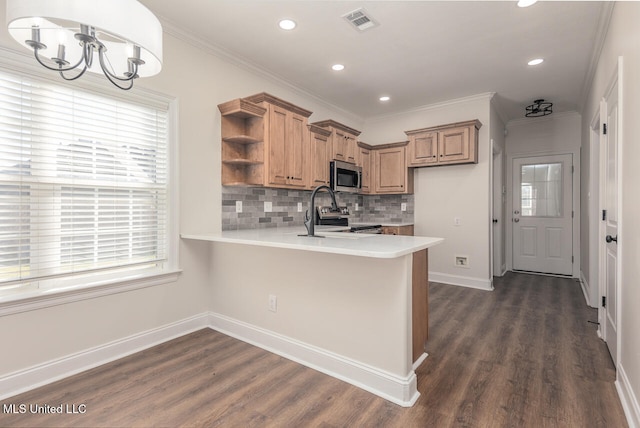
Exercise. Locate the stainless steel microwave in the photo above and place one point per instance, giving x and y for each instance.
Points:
(345, 177)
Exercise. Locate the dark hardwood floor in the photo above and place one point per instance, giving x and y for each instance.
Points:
(523, 355)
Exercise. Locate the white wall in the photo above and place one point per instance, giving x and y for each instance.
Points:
(623, 39)
(442, 193)
(558, 133)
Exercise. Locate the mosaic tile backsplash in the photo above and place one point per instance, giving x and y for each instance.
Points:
(284, 207)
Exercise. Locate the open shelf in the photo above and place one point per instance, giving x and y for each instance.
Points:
(242, 139)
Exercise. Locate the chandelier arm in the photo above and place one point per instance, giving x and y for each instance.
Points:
(111, 76)
(84, 69)
(60, 69)
(116, 83)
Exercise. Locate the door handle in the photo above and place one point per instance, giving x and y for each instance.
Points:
(516, 220)
(610, 238)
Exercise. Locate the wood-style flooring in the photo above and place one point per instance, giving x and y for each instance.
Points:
(523, 355)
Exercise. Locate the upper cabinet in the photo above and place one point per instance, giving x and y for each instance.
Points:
(364, 160)
(456, 143)
(286, 142)
(319, 147)
(343, 140)
(391, 174)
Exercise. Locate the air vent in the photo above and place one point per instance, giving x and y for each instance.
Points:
(360, 19)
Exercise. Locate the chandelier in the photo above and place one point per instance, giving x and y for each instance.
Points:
(120, 38)
(539, 108)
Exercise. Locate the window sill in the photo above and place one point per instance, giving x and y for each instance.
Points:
(38, 299)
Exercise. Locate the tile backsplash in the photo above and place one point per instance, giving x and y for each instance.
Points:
(284, 207)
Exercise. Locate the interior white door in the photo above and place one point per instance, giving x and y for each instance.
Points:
(543, 214)
(610, 240)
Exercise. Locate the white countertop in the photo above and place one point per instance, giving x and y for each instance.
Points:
(353, 244)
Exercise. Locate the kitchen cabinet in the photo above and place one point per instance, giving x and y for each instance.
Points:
(343, 140)
(242, 128)
(391, 174)
(405, 230)
(451, 144)
(286, 142)
(364, 160)
(318, 159)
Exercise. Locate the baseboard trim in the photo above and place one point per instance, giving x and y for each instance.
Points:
(399, 390)
(51, 371)
(462, 281)
(584, 285)
(628, 398)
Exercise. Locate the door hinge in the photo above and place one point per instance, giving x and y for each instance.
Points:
(573, 169)
(604, 301)
(604, 128)
(571, 259)
(604, 215)
(572, 213)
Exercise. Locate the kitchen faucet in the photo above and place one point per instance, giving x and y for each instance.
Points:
(310, 221)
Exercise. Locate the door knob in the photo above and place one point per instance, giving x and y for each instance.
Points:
(516, 220)
(610, 238)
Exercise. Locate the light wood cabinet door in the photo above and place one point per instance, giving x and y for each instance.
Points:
(318, 160)
(296, 143)
(398, 230)
(364, 161)
(344, 146)
(423, 149)
(455, 145)
(390, 170)
(278, 124)
(352, 147)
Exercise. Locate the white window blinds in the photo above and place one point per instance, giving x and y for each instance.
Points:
(83, 182)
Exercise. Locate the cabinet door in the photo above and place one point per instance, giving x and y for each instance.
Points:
(296, 142)
(454, 145)
(319, 160)
(351, 148)
(390, 170)
(339, 146)
(364, 160)
(278, 124)
(423, 149)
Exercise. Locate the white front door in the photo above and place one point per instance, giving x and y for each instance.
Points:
(610, 217)
(543, 214)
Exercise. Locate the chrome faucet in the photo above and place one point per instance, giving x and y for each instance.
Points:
(310, 221)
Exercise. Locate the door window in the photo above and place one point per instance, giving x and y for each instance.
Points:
(541, 191)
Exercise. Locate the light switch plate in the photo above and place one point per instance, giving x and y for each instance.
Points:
(268, 207)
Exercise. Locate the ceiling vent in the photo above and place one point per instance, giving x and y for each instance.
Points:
(360, 19)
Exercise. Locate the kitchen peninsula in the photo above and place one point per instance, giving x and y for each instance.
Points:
(344, 304)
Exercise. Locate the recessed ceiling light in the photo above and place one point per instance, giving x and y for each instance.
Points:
(536, 61)
(287, 24)
(526, 3)
(384, 98)
(337, 67)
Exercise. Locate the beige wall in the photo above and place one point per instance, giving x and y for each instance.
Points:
(623, 39)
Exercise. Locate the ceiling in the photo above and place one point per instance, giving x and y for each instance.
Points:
(422, 52)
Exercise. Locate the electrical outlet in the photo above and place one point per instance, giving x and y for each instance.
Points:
(457, 221)
(299, 207)
(238, 206)
(403, 206)
(268, 207)
(357, 207)
(462, 261)
(273, 303)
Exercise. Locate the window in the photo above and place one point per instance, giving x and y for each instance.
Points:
(541, 190)
(84, 187)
